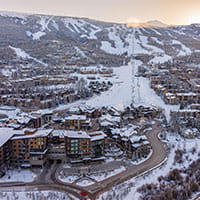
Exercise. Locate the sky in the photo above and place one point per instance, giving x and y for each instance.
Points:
(122, 11)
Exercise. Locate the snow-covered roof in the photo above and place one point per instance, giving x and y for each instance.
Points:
(59, 133)
(159, 86)
(137, 138)
(170, 94)
(9, 111)
(21, 80)
(23, 119)
(76, 134)
(110, 118)
(106, 123)
(125, 132)
(188, 110)
(187, 94)
(76, 117)
(136, 145)
(87, 108)
(43, 112)
(74, 109)
(5, 135)
(195, 104)
(190, 131)
(145, 142)
(98, 135)
(38, 133)
(13, 125)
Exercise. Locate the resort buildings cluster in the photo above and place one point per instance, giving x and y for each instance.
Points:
(80, 134)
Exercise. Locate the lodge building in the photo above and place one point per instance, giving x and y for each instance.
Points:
(33, 147)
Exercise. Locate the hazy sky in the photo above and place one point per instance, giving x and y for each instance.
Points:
(168, 11)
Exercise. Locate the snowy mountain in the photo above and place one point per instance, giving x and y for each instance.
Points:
(156, 23)
(57, 40)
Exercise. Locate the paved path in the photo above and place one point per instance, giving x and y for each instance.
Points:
(50, 182)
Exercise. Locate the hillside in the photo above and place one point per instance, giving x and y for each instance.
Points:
(56, 40)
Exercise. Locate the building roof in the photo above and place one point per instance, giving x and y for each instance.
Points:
(110, 118)
(76, 134)
(43, 112)
(58, 133)
(98, 135)
(126, 131)
(138, 138)
(71, 134)
(87, 108)
(105, 122)
(38, 133)
(76, 117)
(5, 135)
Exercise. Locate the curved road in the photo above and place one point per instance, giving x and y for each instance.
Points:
(48, 180)
(158, 156)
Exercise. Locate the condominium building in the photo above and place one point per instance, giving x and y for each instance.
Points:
(34, 147)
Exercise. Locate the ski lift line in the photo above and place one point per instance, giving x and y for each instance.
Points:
(133, 72)
(133, 68)
(138, 84)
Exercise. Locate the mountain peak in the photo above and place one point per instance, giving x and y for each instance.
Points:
(149, 24)
(156, 23)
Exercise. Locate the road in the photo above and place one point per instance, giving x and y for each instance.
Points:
(158, 156)
(48, 181)
(197, 197)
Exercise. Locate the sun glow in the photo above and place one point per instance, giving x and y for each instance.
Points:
(132, 21)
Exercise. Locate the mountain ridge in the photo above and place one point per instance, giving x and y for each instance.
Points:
(58, 40)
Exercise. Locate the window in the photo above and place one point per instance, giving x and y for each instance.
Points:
(74, 141)
(74, 145)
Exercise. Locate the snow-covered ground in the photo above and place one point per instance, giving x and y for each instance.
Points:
(184, 50)
(11, 112)
(71, 179)
(128, 190)
(85, 182)
(149, 97)
(97, 177)
(103, 176)
(68, 179)
(34, 195)
(160, 59)
(22, 54)
(120, 94)
(23, 175)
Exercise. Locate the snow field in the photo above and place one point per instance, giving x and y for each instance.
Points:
(33, 195)
(22, 175)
